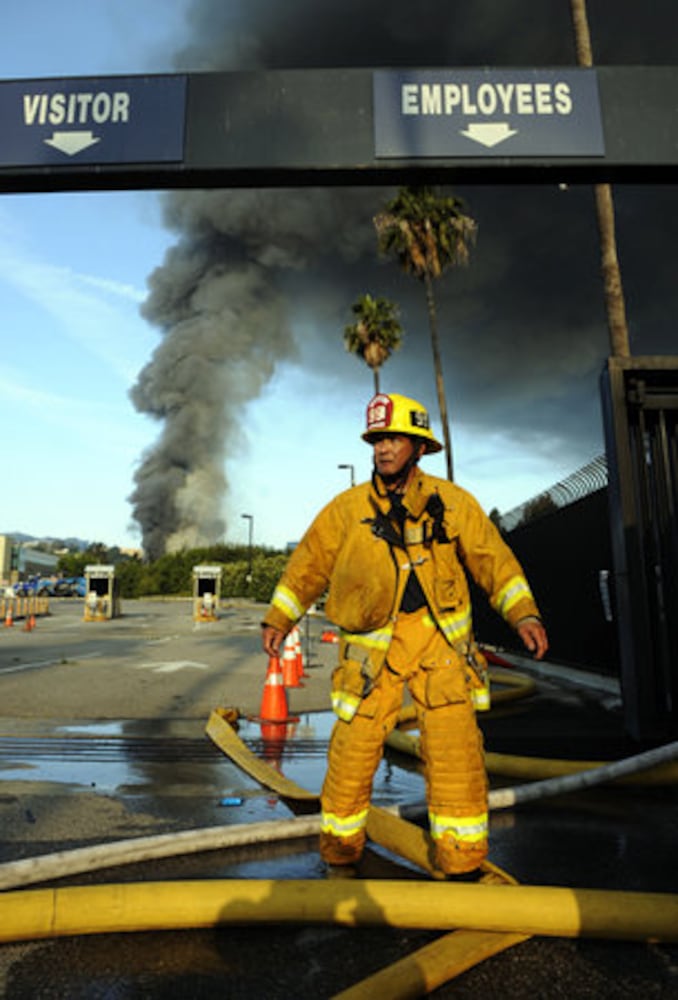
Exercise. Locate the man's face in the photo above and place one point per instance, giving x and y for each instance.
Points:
(391, 452)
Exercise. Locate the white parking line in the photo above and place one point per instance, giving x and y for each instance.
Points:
(46, 663)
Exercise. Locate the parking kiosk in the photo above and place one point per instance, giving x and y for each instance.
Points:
(102, 599)
(206, 593)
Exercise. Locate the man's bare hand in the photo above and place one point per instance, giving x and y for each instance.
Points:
(271, 640)
(534, 637)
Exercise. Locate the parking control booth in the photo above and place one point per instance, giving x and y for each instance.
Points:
(102, 599)
(206, 593)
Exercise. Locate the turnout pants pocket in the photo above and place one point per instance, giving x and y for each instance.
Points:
(436, 685)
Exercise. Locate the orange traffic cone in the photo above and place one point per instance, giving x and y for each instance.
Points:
(274, 699)
(297, 649)
(289, 663)
(29, 625)
(8, 617)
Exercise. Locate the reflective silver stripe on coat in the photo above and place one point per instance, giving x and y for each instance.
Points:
(511, 593)
(380, 638)
(458, 626)
(287, 602)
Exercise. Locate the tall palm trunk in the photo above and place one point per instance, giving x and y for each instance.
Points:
(612, 282)
(438, 368)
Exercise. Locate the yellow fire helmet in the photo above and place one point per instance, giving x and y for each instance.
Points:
(395, 414)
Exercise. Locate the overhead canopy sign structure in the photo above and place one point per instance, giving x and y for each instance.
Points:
(323, 127)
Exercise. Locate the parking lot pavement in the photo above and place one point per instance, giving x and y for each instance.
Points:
(152, 662)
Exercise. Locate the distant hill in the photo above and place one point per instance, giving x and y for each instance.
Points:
(67, 543)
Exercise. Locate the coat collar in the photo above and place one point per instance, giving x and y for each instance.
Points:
(415, 497)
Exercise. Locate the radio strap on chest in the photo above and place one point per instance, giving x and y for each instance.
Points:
(436, 508)
(395, 530)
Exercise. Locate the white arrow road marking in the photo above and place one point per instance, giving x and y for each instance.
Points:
(489, 133)
(171, 667)
(72, 143)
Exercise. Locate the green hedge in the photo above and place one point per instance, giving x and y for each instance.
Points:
(172, 574)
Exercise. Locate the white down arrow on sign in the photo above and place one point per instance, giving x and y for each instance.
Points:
(489, 133)
(72, 143)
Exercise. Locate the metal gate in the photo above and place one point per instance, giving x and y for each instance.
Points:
(640, 410)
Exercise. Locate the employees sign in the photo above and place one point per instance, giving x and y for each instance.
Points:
(437, 113)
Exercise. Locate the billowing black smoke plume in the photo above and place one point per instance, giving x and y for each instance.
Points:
(222, 298)
(219, 300)
(211, 360)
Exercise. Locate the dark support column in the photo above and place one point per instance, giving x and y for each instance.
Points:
(640, 410)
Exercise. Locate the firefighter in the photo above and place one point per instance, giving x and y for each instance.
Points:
(392, 554)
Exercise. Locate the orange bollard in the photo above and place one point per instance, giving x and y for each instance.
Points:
(289, 664)
(274, 699)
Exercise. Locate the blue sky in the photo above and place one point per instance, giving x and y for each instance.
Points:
(72, 276)
(73, 273)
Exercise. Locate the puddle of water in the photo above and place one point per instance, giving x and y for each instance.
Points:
(116, 757)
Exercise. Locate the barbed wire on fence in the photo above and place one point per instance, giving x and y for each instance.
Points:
(589, 479)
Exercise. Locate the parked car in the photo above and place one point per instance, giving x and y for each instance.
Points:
(34, 585)
(71, 586)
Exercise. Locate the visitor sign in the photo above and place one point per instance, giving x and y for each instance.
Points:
(54, 122)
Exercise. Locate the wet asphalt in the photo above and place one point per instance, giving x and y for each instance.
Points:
(102, 738)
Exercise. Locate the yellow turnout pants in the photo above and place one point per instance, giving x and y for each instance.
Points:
(440, 683)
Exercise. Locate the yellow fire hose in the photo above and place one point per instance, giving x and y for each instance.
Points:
(653, 767)
(491, 920)
(60, 864)
(432, 966)
(147, 906)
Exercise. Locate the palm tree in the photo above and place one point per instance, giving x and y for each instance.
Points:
(612, 283)
(375, 334)
(427, 233)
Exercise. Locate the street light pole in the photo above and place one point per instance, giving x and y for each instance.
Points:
(248, 578)
(351, 469)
